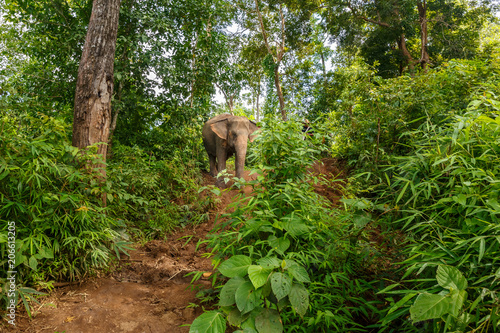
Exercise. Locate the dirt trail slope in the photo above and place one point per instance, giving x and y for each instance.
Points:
(148, 292)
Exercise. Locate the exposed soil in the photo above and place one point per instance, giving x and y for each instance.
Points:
(149, 291)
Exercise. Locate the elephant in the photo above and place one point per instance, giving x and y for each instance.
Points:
(226, 135)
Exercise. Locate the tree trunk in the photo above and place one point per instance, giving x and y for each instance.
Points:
(324, 66)
(193, 67)
(279, 92)
(257, 117)
(279, 56)
(422, 18)
(94, 86)
(406, 54)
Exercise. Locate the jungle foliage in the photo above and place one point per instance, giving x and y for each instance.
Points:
(414, 245)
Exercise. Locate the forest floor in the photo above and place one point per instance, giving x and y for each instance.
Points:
(148, 291)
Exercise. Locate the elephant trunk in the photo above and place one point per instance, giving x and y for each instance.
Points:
(241, 151)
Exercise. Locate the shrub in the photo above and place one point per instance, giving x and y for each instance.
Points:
(283, 249)
(446, 197)
(62, 232)
(154, 196)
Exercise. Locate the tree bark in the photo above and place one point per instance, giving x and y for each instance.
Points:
(422, 18)
(279, 55)
(94, 86)
(406, 54)
(279, 92)
(257, 117)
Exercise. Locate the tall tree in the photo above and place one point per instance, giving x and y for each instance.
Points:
(400, 34)
(278, 57)
(94, 87)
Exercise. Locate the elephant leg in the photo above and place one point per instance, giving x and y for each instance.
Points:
(221, 159)
(221, 165)
(213, 166)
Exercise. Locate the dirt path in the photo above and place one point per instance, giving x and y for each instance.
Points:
(149, 291)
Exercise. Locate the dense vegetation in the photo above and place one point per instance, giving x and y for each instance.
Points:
(414, 246)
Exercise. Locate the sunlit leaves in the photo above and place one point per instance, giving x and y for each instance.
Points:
(235, 266)
(209, 322)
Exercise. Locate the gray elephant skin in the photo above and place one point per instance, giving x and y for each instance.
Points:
(226, 135)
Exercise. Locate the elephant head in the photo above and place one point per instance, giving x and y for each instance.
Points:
(225, 135)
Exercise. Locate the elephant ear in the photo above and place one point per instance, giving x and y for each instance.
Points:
(252, 128)
(220, 128)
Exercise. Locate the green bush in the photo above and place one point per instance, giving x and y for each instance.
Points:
(369, 115)
(154, 196)
(62, 232)
(288, 256)
(445, 196)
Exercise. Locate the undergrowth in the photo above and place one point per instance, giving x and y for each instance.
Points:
(54, 226)
(286, 259)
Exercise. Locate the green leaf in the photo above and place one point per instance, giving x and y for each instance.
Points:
(209, 322)
(246, 297)
(494, 204)
(482, 248)
(281, 285)
(46, 252)
(450, 277)
(299, 273)
(268, 321)
(248, 325)
(235, 318)
(280, 245)
(299, 298)
(295, 227)
(429, 306)
(235, 266)
(458, 298)
(461, 199)
(402, 191)
(269, 262)
(228, 291)
(33, 263)
(401, 302)
(361, 219)
(258, 275)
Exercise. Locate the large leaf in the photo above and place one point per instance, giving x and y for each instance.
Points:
(235, 318)
(299, 273)
(429, 306)
(296, 227)
(280, 245)
(258, 275)
(269, 262)
(457, 298)
(268, 321)
(299, 298)
(228, 291)
(209, 322)
(246, 330)
(235, 266)
(450, 277)
(361, 219)
(246, 297)
(281, 285)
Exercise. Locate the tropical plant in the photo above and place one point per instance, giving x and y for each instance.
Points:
(283, 247)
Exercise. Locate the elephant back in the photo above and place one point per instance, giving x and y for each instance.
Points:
(218, 118)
